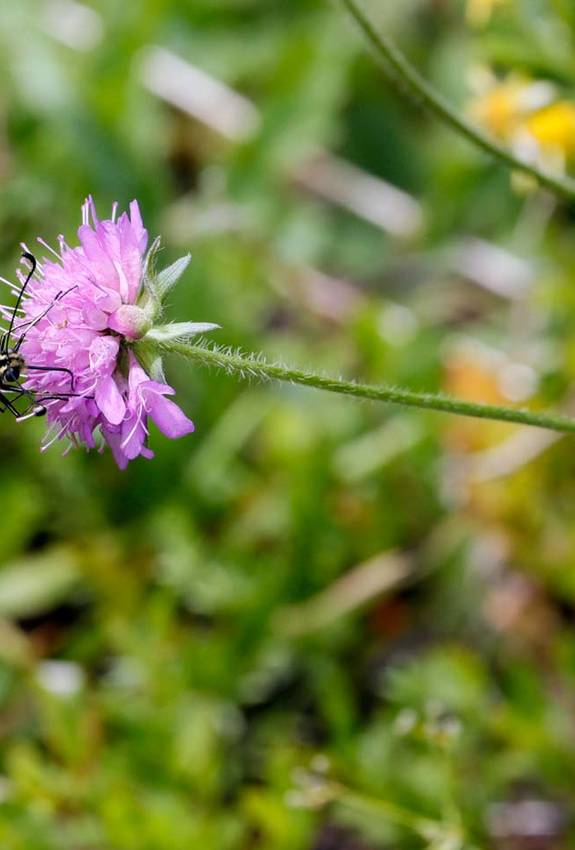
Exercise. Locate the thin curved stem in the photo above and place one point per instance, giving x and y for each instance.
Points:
(392, 58)
(250, 366)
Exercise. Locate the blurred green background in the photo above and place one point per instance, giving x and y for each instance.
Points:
(315, 624)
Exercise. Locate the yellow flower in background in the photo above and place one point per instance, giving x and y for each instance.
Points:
(554, 127)
(479, 11)
(501, 106)
(526, 115)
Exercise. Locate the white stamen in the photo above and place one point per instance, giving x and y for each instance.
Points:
(54, 439)
(92, 207)
(48, 247)
(8, 313)
(131, 434)
(11, 285)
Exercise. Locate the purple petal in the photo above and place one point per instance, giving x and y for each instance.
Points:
(103, 353)
(133, 436)
(110, 401)
(171, 421)
(136, 375)
(114, 440)
(107, 300)
(94, 251)
(138, 228)
(95, 318)
(155, 387)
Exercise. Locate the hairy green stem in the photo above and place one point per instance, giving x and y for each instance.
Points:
(255, 367)
(391, 58)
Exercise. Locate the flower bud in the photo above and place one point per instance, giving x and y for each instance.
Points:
(131, 321)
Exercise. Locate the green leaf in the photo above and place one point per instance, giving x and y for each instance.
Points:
(180, 330)
(167, 278)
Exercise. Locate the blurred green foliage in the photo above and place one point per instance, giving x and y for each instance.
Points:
(315, 623)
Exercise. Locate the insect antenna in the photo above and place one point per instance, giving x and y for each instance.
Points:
(6, 339)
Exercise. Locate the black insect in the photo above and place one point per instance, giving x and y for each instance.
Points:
(13, 366)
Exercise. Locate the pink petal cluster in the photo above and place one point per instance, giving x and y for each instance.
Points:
(88, 294)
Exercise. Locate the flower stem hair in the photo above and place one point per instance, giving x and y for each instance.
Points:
(254, 366)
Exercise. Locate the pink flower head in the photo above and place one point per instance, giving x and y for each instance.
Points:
(83, 312)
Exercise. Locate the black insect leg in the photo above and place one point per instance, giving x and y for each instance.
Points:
(52, 369)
